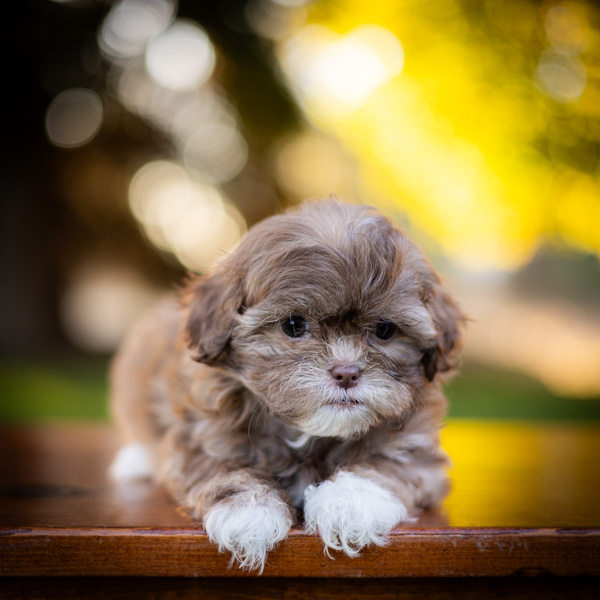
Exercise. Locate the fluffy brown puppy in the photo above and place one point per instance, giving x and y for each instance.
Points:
(302, 374)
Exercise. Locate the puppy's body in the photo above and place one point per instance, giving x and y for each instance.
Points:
(317, 345)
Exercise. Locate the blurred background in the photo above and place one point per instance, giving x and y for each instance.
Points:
(141, 138)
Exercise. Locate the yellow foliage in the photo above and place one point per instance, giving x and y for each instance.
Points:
(472, 140)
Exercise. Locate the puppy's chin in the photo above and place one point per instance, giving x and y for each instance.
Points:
(340, 420)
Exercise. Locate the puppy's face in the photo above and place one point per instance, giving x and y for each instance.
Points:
(330, 315)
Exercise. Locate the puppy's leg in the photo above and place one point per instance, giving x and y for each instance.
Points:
(243, 510)
(132, 461)
(130, 390)
(361, 504)
(137, 387)
(247, 517)
(351, 511)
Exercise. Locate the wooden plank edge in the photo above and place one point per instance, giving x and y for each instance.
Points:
(413, 552)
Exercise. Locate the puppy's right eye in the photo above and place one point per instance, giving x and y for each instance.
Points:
(295, 326)
(385, 330)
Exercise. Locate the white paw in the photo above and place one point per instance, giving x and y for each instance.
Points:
(248, 527)
(132, 461)
(351, 512)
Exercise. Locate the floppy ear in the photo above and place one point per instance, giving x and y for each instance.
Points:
(449, 321)
(212, 302)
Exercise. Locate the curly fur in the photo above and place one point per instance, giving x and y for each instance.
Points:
(247, 426)
(350, 512)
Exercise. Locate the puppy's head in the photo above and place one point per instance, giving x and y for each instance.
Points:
(330, 315)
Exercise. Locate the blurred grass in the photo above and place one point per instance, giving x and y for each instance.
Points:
(57, 389)
(77, 390)
(484, 392)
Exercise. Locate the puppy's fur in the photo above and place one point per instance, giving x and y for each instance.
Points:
(247, 425)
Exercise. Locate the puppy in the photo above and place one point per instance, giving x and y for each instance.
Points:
(303, 374)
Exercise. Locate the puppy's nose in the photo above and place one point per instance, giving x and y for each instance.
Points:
(346, 375)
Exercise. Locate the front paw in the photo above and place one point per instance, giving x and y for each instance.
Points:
(248, 527)
(351, 512)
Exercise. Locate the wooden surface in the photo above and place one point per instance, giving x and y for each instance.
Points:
(525, 501)
(279, 588)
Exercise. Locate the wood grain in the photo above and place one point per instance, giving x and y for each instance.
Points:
(526, 504)
(272, 588)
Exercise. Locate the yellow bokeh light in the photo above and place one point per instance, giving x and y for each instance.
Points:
(566, 30)
(562, 78)
(334, 75)
(312, 166)
(183, 216)
(578, 209)
(453, 138)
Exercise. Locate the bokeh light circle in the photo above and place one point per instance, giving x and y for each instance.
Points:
(74, 117)
(182, 57)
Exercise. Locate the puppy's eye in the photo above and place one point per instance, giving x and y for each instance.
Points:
(385, 330)
(295, 326)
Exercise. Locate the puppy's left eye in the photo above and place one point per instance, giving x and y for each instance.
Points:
(385, 330)
(295, 326)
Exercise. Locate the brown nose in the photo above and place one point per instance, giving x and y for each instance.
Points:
(346, 375)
